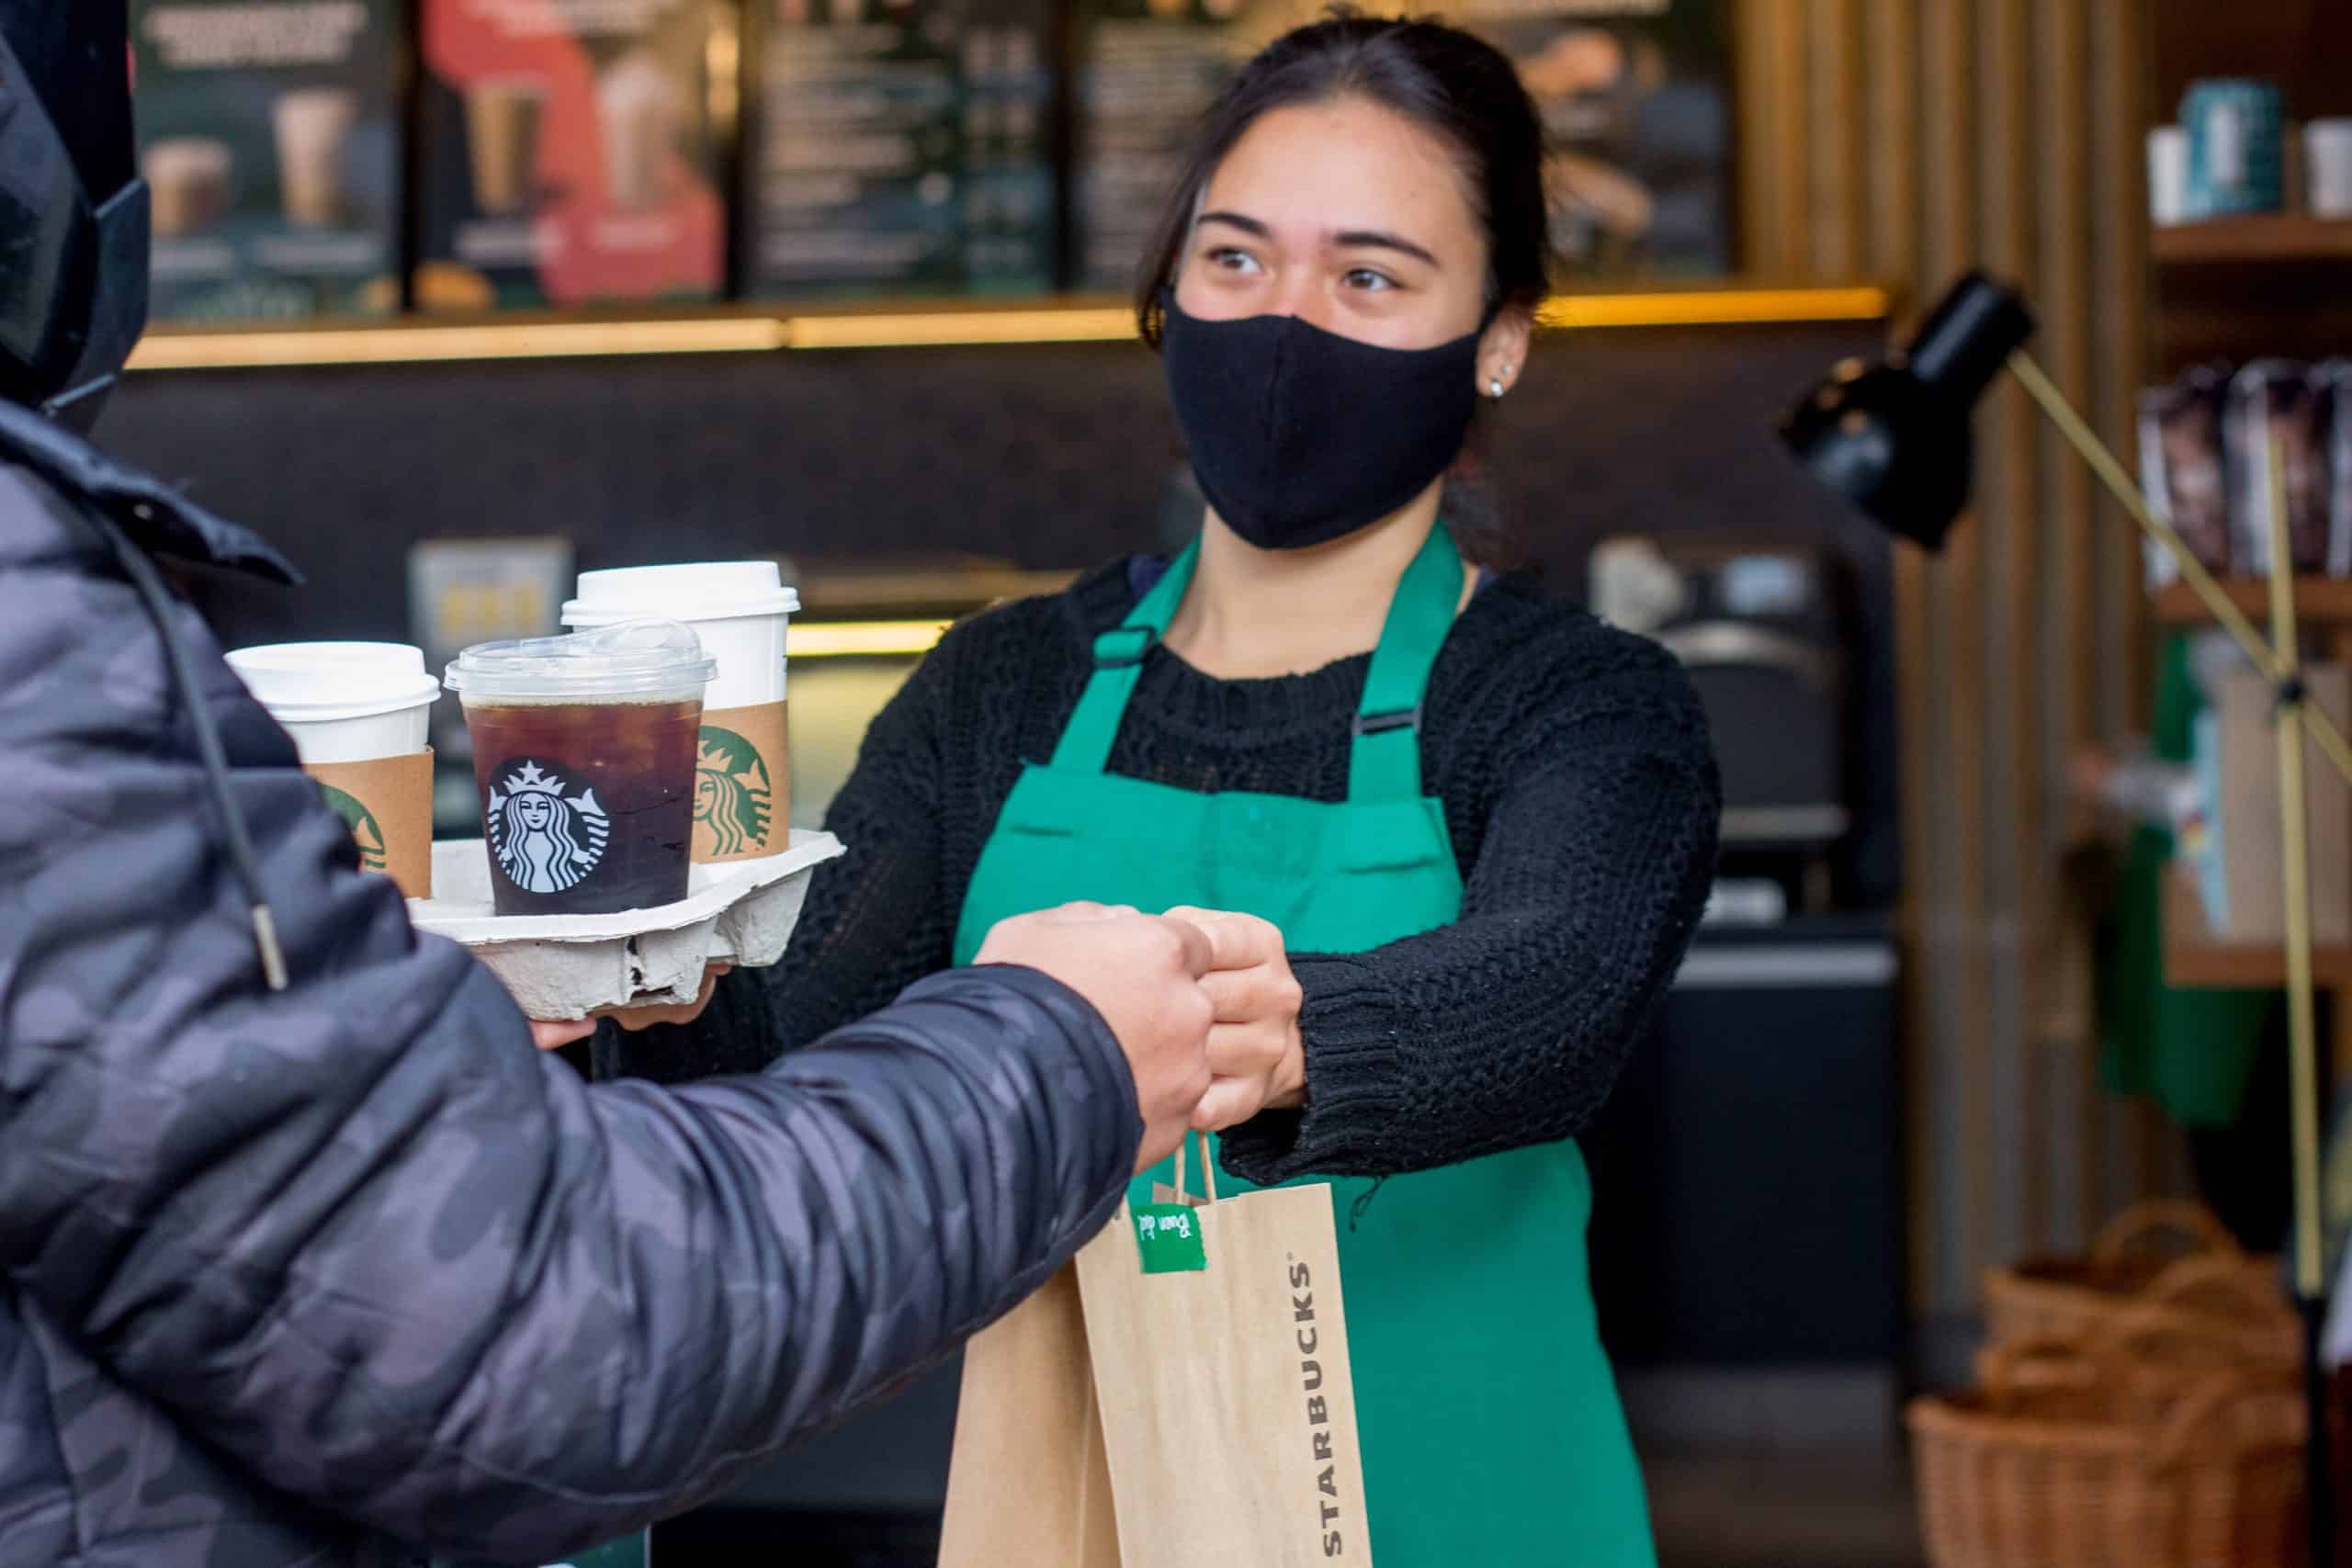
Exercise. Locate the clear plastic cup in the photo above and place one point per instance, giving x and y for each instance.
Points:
(585, 754)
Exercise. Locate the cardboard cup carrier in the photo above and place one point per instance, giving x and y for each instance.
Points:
(358, 712)
(743, 768)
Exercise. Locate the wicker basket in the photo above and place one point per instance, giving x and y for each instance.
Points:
(2055, 1464)
(2075, 1297)
(2206, 1313)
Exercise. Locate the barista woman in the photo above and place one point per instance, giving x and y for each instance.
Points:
(1464, 835)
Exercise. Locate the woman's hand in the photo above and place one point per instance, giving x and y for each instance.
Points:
(555, 1036)
(1255, 1048)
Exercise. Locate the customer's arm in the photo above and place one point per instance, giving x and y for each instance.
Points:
(1595, 847)
(361, 1237)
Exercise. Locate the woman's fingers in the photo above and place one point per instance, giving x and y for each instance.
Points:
(1228, 1103)
(1247, 1050)
(556, 1037)
(1244, 996)
(1241, 941)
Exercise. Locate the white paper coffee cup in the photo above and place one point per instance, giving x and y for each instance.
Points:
(360, 714)
(343, 701)
(742, 611)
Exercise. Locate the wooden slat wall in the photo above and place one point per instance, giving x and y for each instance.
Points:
(1909, 139)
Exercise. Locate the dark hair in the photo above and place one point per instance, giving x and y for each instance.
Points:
(1449, 82)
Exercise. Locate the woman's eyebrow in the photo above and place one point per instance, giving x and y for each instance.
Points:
(1376, 238)
(1235, 221)
(1346, 239)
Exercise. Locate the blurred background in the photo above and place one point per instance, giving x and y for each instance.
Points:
(455, 298)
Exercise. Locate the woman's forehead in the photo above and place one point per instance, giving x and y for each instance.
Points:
(1309, 172)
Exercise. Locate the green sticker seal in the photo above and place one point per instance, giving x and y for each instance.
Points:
(1168, 1236)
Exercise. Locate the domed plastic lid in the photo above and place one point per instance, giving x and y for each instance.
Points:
(697, 591)
(633, 661)
(318, 683)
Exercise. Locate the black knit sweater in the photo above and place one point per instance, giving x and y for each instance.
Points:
(1579, 790)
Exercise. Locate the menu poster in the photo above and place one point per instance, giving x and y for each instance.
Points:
(569, 155)
(1636, 100)
(902, 147)
(1635, 96)
(1151, 70)
(270, 142)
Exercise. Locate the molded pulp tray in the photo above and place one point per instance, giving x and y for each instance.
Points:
(564, 966)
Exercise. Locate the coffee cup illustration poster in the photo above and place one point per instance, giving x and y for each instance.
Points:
(570, 152)
(270, 142)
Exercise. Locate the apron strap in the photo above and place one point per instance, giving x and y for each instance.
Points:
(1386, 763)
(1085, 745)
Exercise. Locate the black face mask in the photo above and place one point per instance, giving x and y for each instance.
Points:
(1299, 435)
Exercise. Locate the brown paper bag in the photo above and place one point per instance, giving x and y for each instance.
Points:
(1226, 1403)
(2253, 845)
(1026, 1482)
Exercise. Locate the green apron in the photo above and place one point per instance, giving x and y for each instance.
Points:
(1488, 1416)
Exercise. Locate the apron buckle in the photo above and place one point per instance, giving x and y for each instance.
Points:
(1382, 723)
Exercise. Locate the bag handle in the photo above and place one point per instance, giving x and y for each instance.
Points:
(2192, 1220)
(2217, 1283)
(2007, 1370)
(1208, 1166)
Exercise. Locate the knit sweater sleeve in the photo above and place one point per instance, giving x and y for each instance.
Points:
(876, 921)
(1595, 826)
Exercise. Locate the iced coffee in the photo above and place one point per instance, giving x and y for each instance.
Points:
(640, 108)
(313, 130)
(503, 118)
(187, 185)
(584, 757)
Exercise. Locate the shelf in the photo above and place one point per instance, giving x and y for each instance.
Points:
(2194, 960)
(2266, 238)
(935, 324)
(2319, 600)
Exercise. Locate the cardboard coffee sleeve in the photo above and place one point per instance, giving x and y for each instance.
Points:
(744, 784)
(388, 802)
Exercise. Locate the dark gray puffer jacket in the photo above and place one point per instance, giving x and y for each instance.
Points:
(348, 1273)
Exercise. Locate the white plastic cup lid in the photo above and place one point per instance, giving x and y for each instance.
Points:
(698, 590)
(318, 683)
(630, 661)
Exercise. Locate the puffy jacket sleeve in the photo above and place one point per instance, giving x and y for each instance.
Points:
(361, 1237)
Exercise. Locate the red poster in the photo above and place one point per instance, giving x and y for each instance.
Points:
(570, 152)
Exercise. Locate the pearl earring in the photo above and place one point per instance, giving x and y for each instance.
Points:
(1495, 389)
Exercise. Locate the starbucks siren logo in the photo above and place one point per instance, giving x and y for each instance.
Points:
(732, 796)
(364, 832)
(546, 840)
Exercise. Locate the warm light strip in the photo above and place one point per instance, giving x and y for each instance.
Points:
(397, 346)
(1716, 307)
(862, 639)
(937, 329)
(427, 343)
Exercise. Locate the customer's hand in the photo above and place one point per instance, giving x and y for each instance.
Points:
(1255, 1048)
(1143, 975)
(556, 1036)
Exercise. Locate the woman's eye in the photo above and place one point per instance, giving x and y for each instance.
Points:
(1227, 259)
(1368, 280)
